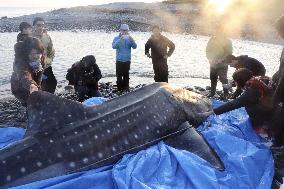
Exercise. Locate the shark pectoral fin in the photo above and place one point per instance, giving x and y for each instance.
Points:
(194, 142)
(47, 111)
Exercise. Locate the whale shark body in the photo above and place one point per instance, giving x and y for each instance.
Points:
(64, 136)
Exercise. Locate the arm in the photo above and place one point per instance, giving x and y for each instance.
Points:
(228, 48)
(171, 46)
(237, 93)
(97, 72)
(27, 82)
(148, 47)
(279, 92)
(249, 97)
(209, 48)
(50, 52)
(133, 43)
(70, 77)
(116, 42)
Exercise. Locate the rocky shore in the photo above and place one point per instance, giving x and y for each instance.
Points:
(180, 18)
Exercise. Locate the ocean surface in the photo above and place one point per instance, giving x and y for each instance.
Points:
(188, 65)
(20, 11)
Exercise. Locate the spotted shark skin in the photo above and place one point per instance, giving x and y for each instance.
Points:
(64, 136)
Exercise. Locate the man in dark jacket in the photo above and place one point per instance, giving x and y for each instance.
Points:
(84, 75)
(278, 79)
(159, 45)
(279, 75)
(252, 64)
(244, 61)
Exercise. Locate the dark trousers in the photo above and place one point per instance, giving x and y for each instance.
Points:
(220, 73)
(277, 125)
(85, 92)
(122, 75)
(161, 72)
(49, 81)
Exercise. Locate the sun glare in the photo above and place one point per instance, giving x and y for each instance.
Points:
(220, 5)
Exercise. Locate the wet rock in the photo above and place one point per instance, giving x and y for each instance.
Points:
(199, 88)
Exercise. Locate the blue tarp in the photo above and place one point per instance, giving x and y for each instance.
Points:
(248, 162)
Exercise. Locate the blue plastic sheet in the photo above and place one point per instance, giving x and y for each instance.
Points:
(94, 101)
(248, 162)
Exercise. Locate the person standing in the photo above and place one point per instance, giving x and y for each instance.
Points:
(49, 81)
(123, 44)
(278, 79)
(27, 69)
(218, 48)
(159, 45)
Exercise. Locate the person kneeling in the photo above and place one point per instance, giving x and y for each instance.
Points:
(84, 75)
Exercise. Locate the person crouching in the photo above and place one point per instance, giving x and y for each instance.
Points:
(85, 75)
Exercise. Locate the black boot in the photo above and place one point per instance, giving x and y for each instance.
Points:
(213, 88)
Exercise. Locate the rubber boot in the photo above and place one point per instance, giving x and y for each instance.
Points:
(213, 88)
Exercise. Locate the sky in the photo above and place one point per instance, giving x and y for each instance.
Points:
(61, 3)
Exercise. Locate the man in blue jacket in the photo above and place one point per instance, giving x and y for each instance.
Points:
(123, 44)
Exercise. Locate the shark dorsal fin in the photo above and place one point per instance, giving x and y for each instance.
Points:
(47, 112)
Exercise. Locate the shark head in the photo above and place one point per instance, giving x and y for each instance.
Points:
(191, 103)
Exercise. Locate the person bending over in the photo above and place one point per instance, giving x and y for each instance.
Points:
(244, 61)
(85, 75)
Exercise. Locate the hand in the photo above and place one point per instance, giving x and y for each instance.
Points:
(130, 37)
(148, 55)
(166, 56)
(33, 88)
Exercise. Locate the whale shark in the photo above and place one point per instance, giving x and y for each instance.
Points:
(65, 136)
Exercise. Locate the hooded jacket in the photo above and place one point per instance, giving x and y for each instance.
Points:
(22, 76)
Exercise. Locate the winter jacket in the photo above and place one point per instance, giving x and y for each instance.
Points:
(256, 67)
(279, 79)
(49, 52)
(123, 48)
(84, 76)
(22, 77)
(217, 50)
(159, 47)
